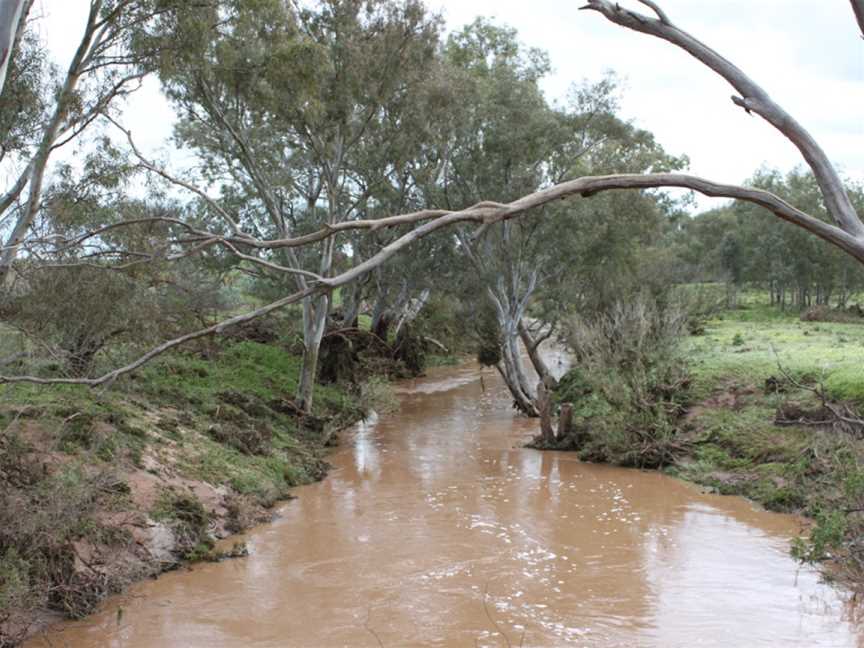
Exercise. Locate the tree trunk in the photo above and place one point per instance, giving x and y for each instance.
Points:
(411, 310)
(544, 405)
(39, 164)
(509, 315)
(523, 402)
(565, 421)
(12, 14)
(315, 311)
(533, 348)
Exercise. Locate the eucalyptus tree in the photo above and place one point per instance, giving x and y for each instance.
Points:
(509, 142)
(280, 103)
(393, 166)
(105, 68)
(500, 146)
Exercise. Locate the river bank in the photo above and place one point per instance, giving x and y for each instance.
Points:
(758, 417)
(436, 527)
(102, 488)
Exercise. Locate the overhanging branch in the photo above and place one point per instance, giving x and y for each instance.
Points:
(490, 213)
(858, 8)
(752, 98)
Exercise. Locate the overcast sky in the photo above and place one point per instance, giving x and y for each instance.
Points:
(806, 53)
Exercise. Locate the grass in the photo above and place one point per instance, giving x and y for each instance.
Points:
(225, 419)
(811, 350)
(737, 448)
(178, 399)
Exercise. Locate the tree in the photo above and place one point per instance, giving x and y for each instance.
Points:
(508, 142)
(285, 108)
(103, 70)
(847, 232)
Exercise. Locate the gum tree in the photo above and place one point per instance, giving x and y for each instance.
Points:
(846, 231)
(281, 105)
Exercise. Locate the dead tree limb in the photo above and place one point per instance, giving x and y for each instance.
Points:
(752, 98)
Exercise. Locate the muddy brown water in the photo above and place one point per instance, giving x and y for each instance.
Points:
(436, 528)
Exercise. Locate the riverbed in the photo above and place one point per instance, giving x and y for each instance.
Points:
(437, 528)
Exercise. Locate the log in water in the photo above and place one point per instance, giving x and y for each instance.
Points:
(436, 528)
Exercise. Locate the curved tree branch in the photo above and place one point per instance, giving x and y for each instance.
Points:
(752, 98)
(489, 213)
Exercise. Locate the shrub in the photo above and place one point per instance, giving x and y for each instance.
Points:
(631, 385)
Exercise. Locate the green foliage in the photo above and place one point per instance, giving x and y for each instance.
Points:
(738, 245)
(829, 534)
(630, 387)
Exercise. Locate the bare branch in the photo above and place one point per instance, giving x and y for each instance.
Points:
(657, 10)
(150, 166)
(269, 264)
(752, 98)
(488, 212)
(858, 8)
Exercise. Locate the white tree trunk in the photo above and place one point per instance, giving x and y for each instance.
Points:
(509, 315)
(411, 310)
(39, 164)
(11, 16)
(532, 346)
(315, 310)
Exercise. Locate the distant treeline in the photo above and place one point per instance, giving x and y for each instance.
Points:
(742, 245)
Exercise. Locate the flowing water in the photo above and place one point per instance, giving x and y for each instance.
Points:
(435, 528)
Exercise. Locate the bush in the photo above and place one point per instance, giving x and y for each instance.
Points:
(73, 313)
(41, 515)
(630, 388)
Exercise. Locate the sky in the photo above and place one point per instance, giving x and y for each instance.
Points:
(807, 54)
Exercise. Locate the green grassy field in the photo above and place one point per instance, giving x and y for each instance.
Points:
(737, 447)
(748, 344)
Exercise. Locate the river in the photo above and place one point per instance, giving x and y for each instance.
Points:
(436, 528)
